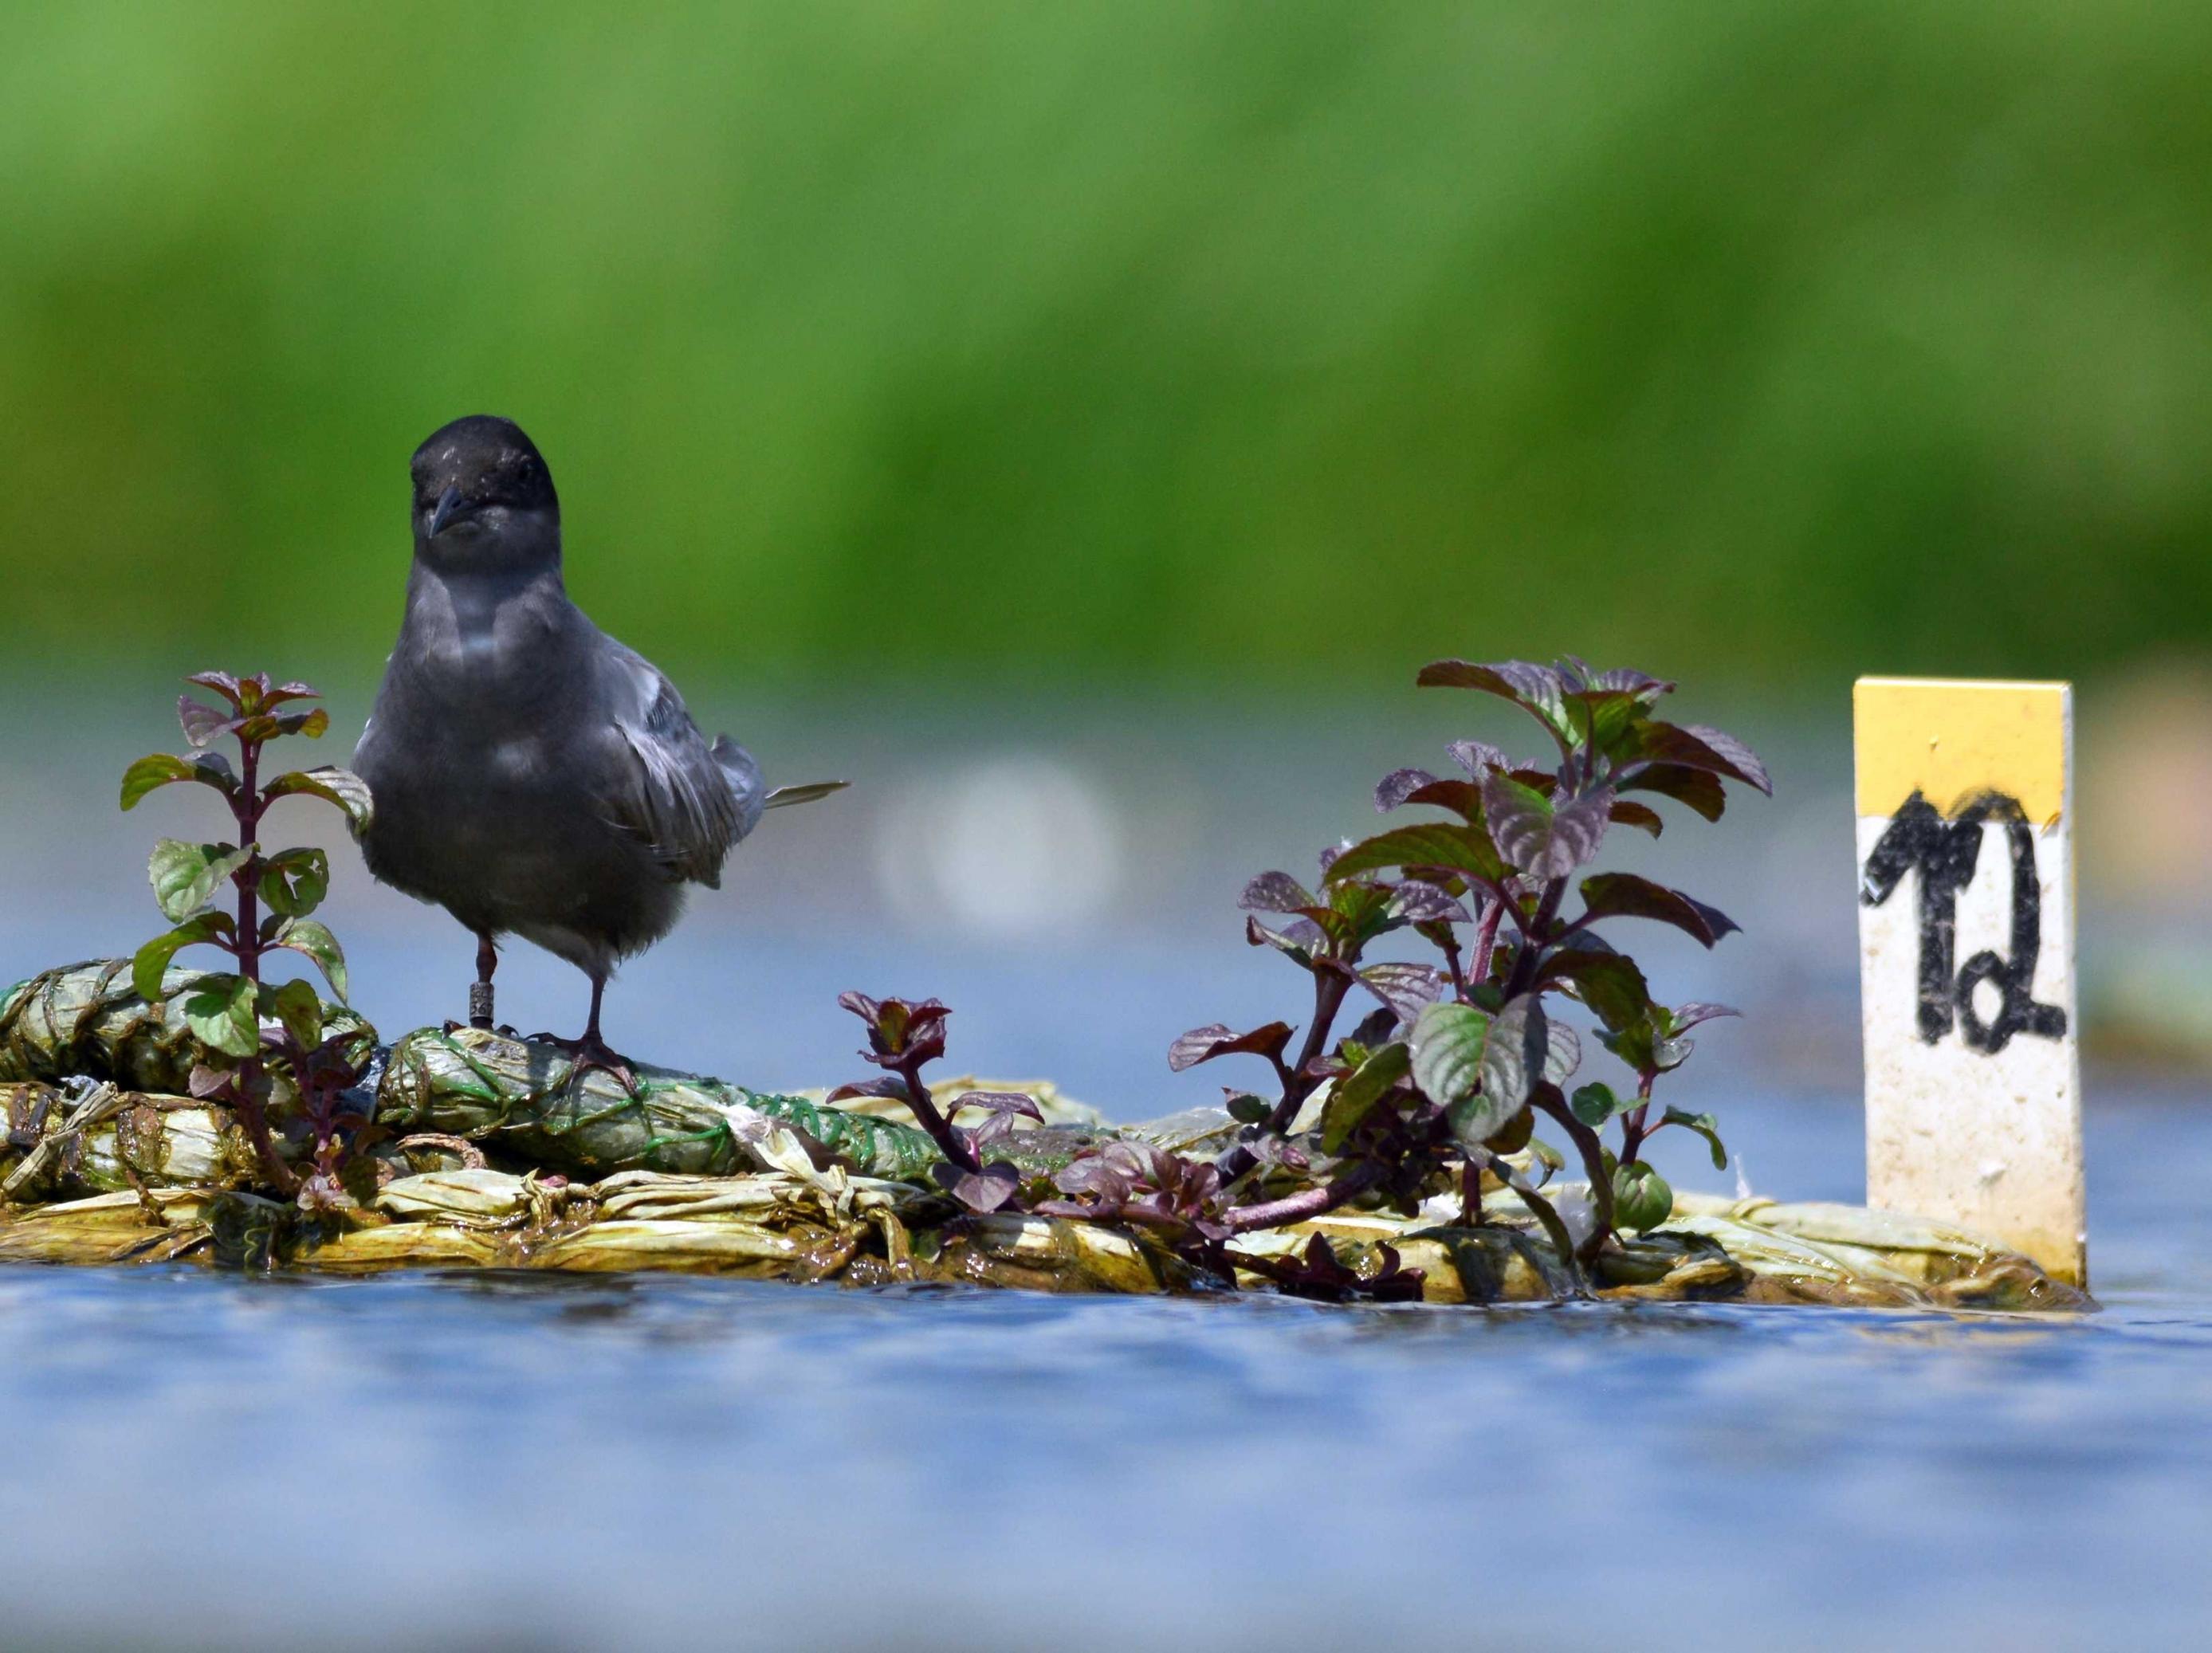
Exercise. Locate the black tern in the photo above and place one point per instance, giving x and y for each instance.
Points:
(531, 776)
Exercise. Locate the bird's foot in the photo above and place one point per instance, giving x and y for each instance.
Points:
(592, 1052)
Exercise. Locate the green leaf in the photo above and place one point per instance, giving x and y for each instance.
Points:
(1706, 1126)
(1357, 1092)
(1641, 1199)
(222, 1011)
(185, 876)
(152, 961)
(1248, 1110)
(148, 773)
(1431, 843)
(151, 772)
(1595, 1105)
(334, 786)
(312, 938)
(300, 1007)
(1608, 983)
(1521, 1053)
(294, 881)
(1447, 1046)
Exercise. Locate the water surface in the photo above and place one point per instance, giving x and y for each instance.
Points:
(503, 1460)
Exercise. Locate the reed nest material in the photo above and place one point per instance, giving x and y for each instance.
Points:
(502, 1155)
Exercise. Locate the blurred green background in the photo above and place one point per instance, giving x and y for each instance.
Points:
(1183, 344)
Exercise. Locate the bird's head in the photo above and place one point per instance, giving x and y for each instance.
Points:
(483, 497)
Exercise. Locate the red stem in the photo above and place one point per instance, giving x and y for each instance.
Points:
(1311, 1202)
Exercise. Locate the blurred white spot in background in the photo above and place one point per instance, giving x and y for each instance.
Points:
(1005, 846)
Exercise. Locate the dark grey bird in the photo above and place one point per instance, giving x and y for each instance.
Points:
(531, 775)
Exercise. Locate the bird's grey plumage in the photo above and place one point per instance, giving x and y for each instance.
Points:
(533, 776)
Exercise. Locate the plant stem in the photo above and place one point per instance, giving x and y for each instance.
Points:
(1593, 1154)
(1535, 934)
(1329, 989)
(1546, 1213)
(1310, 1202)
(246, 808)
(1486, 942)
(950, 1141)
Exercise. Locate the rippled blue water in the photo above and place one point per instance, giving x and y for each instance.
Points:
(193, 1459)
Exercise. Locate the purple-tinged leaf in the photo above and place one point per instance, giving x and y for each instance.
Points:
(1008, 1102)
(1408, 989)
(889, 1086)
(1479, 757)
(1641, 684)
(221, 682)
(1299, 941)
(204, 1081)
(1463, 798)
(1436, 843)
(985, 1190)
(1699, 788)
(1417, 903)
(1643, 818)
(1397, 786)
(1696, 747)
(201, 723)
(1544, 841)
(1688, 1016)
(1540, 690)
(1623, 895)
(1744, 764)
(1203, 1044)
(284, 691)
(1275, 892)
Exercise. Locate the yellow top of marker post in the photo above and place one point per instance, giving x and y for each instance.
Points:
(1952, 739)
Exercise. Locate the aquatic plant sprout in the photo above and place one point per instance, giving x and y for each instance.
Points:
(248, 1026)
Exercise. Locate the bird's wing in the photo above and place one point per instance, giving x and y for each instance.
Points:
(671, 790)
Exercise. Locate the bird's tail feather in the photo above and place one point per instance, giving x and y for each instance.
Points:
(804, 794)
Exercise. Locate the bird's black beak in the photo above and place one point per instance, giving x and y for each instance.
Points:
(449, 506)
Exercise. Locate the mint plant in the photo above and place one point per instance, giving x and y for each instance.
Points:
(1465, 1053)
(1454, 1060)
(213, 894)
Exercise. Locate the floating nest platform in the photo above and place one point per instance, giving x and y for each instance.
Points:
(501, 1154)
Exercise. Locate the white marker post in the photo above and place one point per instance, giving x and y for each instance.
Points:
(1973, 1084)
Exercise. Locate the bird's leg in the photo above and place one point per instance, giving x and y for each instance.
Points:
(592, 1051)
(480, 1002)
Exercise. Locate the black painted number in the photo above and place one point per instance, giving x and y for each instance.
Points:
(1944, 854)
